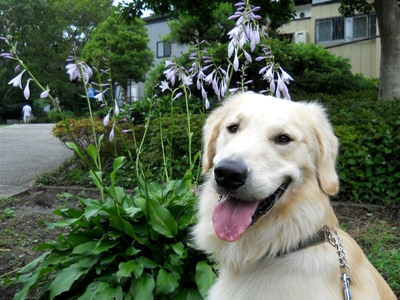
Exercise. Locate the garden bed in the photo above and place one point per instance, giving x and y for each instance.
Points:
(371, 225)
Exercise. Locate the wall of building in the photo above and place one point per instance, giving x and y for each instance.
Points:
(364, 55)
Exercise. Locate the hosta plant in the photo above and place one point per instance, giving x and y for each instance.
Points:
(131, 246)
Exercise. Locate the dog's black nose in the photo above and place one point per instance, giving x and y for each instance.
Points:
(229, 174)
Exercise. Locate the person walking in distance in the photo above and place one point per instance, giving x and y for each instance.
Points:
(27, 112)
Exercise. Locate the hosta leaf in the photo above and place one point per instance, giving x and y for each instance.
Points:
(122, 225)
(179, 248)
(147, 263)
(166, 283)
(103, 246)
(160, 218)
(125, 269)
(34, 263)
(110, 292)
(92, 289)
(143, 287)
(85, 249)
(64, 280)
(92, 151)
(204, 277)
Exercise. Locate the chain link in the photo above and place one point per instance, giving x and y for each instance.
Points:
(335, 240)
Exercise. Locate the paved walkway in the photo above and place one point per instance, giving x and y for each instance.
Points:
(25, 151)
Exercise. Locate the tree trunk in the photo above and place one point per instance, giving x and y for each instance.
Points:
(388, 15)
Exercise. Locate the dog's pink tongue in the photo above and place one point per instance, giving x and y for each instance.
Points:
(231, 217)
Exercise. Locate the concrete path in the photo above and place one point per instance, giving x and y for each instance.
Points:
(25, 151)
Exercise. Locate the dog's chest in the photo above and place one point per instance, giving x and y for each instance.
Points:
(279, 281)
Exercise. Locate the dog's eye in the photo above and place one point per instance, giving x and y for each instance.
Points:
(282, 139)
(233, 128)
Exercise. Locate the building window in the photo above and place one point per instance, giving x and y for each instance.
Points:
(330, 30)
(339, 29)
(364, 26)
(163, 49)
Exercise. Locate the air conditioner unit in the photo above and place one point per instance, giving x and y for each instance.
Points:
(300, 37)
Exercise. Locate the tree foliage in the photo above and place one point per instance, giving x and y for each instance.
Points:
(124, 44)
(45, 31)
(208, 17)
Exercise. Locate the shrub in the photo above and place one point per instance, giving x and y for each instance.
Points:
(174, 136)
(82, 134)
(369, 136)
(128, 247)
(368, 163)
(314, 69)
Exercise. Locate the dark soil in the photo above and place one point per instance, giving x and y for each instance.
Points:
(20, 232)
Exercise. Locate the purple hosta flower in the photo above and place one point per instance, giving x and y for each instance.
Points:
(177, 96)
(111, 136)
(207, 103)
(5, 39)
(73, 71)
(87, 72)
(281, 87)
(285, 76)
(125, 131)
(164, 86)
(106, 120)
(236, 61)
(272, 86)
(45, 94)
(27, 92)
(99, 97)
(17, 68)
(269, 72)
(16, 81)
(6, 55)
(116, 108)
(246, 28)
(187, 80)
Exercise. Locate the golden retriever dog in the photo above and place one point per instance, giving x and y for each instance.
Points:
(264, 210)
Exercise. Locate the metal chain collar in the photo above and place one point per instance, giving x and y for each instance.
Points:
(335, 240)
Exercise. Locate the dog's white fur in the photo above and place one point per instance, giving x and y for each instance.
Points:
(250, 268)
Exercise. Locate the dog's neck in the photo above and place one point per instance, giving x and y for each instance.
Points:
(318, 238)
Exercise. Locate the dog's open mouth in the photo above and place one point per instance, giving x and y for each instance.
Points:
(232, 216)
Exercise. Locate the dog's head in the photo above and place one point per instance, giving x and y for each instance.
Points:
(257, 150)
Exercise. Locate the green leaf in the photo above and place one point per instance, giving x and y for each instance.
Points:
(160, 218)
(92, 289)
(96, 178)
(85, 249)
(166, 283)
(122, 225)
(92, 151)
(110, 292)
(205, 277)
(146, 262)
(179, 248)
(29, 267)
(118, 162)
(76, 149)
(132, 211)
(103, 246)
(143, 287)
(125, 269)
(64, 280)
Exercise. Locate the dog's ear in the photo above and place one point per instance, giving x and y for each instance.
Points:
(327, 154)
(210, 135)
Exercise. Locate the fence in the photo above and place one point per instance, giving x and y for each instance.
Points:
(364, 55)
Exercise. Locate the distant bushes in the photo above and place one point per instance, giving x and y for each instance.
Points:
(369, 135)
(313, 68)
(174, 137)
